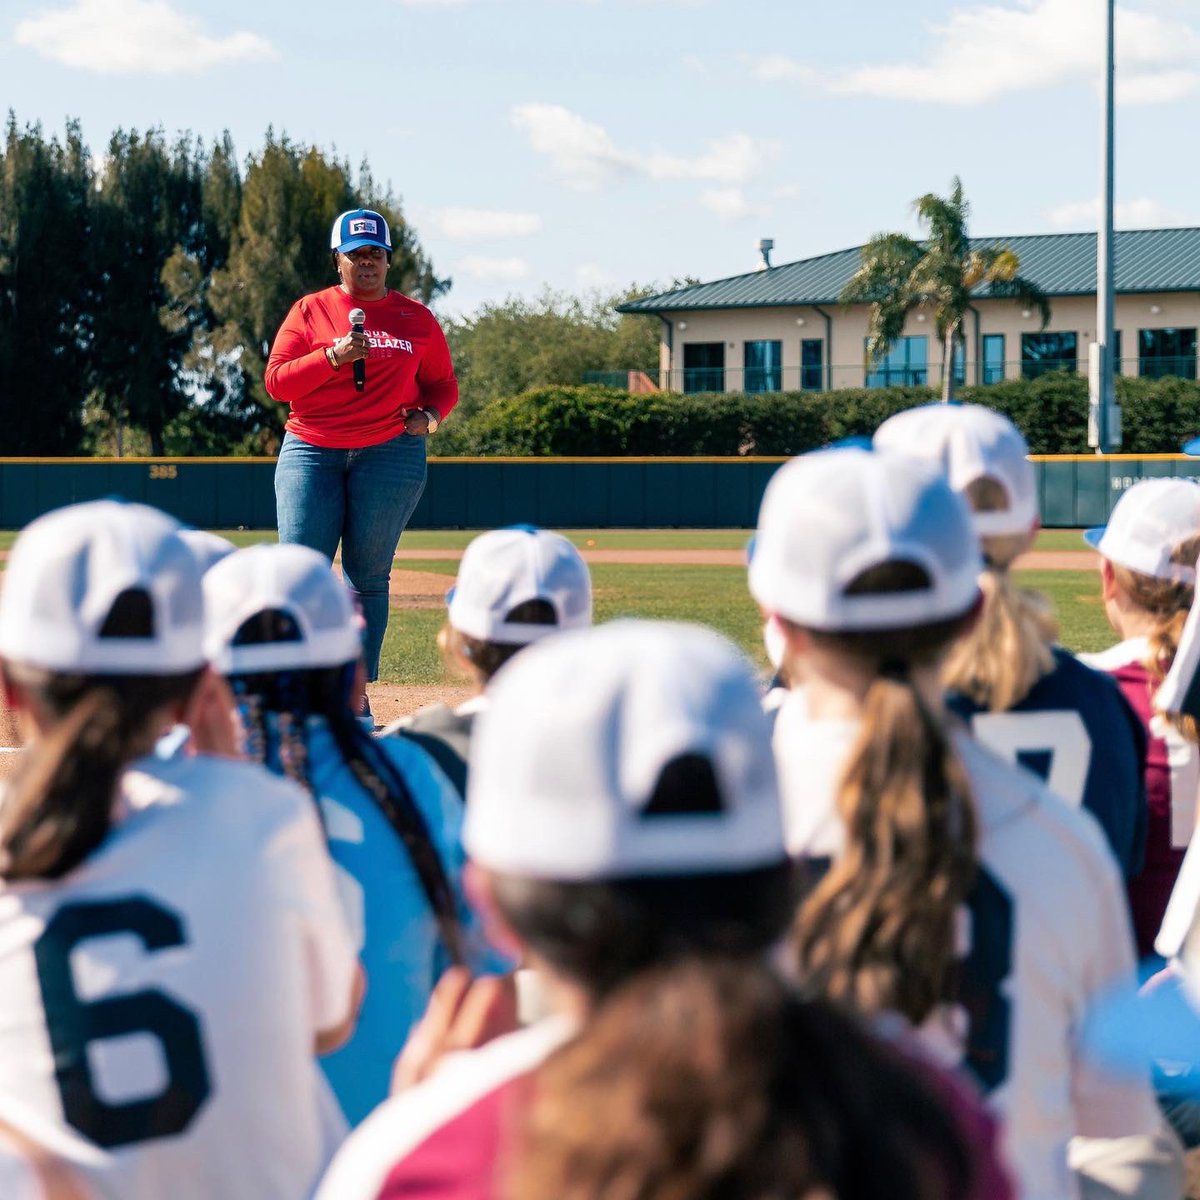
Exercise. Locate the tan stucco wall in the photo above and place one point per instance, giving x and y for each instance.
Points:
(1074, 314)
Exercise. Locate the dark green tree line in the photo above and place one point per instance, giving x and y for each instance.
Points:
(139, 293)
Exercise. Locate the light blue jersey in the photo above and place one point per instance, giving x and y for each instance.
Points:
(387, 908)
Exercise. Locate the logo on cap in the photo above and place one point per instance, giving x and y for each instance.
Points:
(363, 225)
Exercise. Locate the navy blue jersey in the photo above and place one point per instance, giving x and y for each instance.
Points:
(1076, 732)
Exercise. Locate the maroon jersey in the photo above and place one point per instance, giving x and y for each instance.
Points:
(1172, 771)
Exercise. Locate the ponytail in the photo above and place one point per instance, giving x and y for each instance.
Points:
(1010, 648)
(711, 1080)
(878, 931)
(282, 745)
(58, 807)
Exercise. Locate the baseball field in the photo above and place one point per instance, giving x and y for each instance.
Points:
(682, 574)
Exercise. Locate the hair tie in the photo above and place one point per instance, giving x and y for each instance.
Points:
(896, 669)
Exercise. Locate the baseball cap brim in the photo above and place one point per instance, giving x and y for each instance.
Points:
(356, 243)
(1092, 536)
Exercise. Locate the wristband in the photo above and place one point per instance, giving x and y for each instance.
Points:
(331, 358)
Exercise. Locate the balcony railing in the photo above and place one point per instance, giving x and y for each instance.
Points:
(856, 375)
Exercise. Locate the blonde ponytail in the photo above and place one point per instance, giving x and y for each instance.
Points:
(1010, 648)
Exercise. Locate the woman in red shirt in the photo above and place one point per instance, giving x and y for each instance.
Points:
(352, 464)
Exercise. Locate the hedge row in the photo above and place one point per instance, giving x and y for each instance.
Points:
(1159, 415)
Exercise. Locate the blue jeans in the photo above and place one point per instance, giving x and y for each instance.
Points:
(362, 498)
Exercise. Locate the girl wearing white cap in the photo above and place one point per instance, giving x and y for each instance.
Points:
(626, 836)
(515, 586)
(1027, 698)
(1148, 580)
(282, 629)
(961, 895)
(172, 953)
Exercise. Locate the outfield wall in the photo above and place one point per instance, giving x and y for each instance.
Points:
(564, 493)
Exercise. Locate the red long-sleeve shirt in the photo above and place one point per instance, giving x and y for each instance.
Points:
(408, 367)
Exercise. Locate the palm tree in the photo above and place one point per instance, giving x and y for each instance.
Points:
(898, 274)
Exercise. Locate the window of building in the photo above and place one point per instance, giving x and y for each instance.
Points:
(704, 367)
(906, 364)
(812, 355)
(958, 364)
(993, 358)
(763, 367)
(1042, 353)
(1167, 352)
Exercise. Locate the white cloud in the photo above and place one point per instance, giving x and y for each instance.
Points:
(989, 50)
(730, 204)
(494, 270)
(484, 225)
(774, 68)
(585, 156)
(128, 37)
(1140, 213)
(729, 159)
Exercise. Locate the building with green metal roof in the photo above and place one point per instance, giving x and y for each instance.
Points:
(783, 327)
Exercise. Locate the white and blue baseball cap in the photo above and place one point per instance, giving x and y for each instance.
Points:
(970, 442)
(829, 516)
(360, 227)
(634, 749)
(504, 568)
(1147, 525)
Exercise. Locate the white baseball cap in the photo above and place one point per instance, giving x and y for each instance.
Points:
(638, 748)
(209, 548)
(312, 618)
(970, 442)
(1149, 522)
(507, 567)
(67, 570)
(829, 516)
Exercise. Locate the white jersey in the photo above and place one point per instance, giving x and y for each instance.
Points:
(162, 999)
(1046, 933)
(21, 1128)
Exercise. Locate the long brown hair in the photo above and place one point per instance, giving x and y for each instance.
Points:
(1010, 648)
(711, 1080)
(1167, 603)
(877, 932)
(58, 807)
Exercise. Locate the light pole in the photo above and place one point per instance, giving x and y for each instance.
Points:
(1104, 427)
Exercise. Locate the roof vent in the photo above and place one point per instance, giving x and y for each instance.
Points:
(765, 246)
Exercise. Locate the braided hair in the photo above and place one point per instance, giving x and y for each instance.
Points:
(281, 745)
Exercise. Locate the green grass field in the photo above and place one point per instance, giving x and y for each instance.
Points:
(711, 595)
(715, 596)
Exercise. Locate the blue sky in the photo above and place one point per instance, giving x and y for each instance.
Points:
(594, 143)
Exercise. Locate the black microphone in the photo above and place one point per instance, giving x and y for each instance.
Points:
(357, 320)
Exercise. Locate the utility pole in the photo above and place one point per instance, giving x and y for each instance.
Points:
(1104, 418)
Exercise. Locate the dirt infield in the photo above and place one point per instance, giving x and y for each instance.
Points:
(1035, 560)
